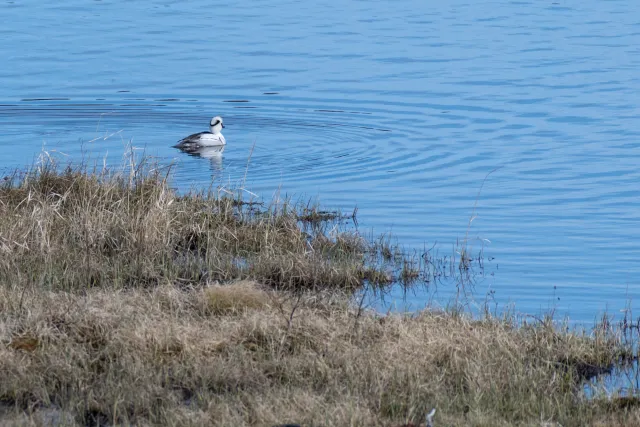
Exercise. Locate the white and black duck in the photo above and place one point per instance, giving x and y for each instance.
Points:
(212, 138)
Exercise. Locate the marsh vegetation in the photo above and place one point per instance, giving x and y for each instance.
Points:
(123, 302)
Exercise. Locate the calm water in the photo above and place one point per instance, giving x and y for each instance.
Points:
(399, 108)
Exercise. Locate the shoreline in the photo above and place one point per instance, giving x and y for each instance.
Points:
(122, 302)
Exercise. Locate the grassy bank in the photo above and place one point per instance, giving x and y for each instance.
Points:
(73, 229)
(122, 302)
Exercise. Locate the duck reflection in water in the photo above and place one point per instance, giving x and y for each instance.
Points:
(214, 154)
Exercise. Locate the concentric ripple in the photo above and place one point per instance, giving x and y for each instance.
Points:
(516, 126)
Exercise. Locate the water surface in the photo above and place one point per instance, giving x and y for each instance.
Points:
(401, 109)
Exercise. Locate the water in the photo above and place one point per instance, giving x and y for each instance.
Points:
(401, 109)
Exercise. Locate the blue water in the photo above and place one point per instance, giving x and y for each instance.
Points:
(399, 108)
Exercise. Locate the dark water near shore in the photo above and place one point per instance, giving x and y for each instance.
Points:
(400, 109)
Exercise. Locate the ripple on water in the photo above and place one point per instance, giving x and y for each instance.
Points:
(402, 116)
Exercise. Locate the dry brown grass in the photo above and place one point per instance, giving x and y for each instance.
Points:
(73, 229)
(243, 296)
(112, 312)
(244, 355)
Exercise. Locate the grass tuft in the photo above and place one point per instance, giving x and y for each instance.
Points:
(235, 298)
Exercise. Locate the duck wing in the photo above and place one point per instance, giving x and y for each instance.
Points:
(191, 140)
